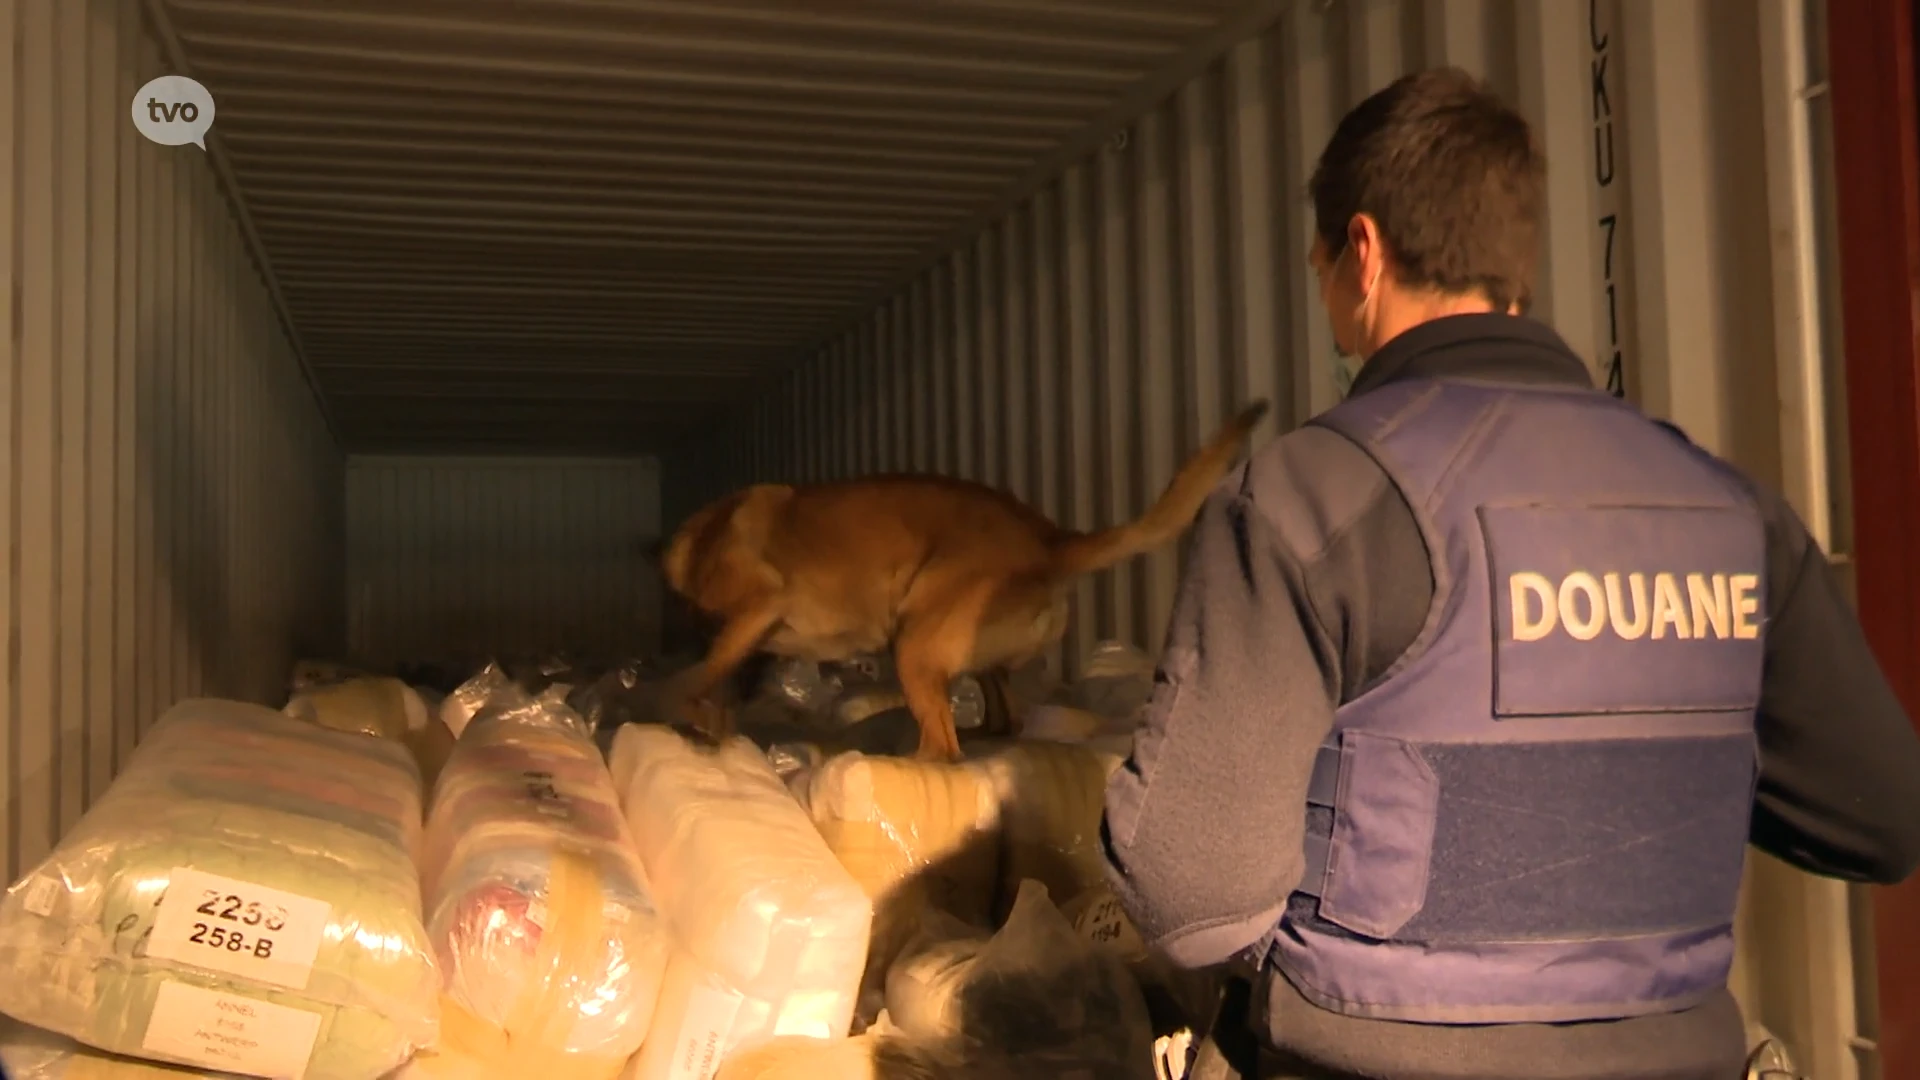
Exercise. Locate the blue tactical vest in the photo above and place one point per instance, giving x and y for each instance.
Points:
(1540, 813)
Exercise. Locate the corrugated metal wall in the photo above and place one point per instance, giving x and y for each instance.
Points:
(1074, 353)
(460, 557)
(1077, 351)
(171, 501)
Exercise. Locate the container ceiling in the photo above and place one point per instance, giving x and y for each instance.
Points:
(586, 226)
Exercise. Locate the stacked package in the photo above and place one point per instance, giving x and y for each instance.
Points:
(769, 930)
(915, 835)
(368, 705)
(1032, 999)
(1053, 796)
(244, 897)
(375, 705)
(538, 908)
(28, 1053)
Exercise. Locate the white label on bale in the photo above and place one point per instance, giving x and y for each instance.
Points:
(42, 892)
(238, 928)
(702, 1040)
(230, 1033)
(1104, 922)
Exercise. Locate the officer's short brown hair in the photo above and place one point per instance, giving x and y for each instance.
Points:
(1451, 176)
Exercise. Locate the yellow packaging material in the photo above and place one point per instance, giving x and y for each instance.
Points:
(913, 834)
(770, 930)
(805, 1059)
(369, 705)
(537, 904)
(1052, 798)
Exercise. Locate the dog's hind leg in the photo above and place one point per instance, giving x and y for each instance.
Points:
(929, 652)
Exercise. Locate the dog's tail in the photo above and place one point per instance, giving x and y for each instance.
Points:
(1084, 553)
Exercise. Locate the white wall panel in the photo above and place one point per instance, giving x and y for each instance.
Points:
(454, 557)
(171, 494)
(1076, 351)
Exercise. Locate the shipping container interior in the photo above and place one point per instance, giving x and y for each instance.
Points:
(464, 300)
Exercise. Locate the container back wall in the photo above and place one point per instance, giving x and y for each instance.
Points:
(1077, 350)
(170, 496)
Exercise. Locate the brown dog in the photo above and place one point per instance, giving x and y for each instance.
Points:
(956, 576)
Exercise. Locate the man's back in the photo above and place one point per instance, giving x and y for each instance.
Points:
(1341, 541)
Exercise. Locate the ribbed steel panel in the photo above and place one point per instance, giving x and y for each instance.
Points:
(1076, 350)
(585, 225)
(171, 506)
(458, 557)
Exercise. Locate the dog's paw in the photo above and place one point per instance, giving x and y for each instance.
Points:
(712, 722)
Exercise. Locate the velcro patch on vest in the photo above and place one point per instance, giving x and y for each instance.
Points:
(1652, 609)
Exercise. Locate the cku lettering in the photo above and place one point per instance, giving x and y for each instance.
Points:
(1584, 605)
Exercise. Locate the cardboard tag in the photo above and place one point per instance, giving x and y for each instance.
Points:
(238, 928)
(230, 1033)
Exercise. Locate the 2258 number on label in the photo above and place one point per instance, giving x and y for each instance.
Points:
(234, 909)
(239, 927)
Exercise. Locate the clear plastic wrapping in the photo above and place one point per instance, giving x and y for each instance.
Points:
(539, 911)
(1053, 796)
(470, 696)
(914, 834)
(1034, 999)
(1115, 683)
(28, 1053)
(626, 694)
(770, 931)
(244, 897)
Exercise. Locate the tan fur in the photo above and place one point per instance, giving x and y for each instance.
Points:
(956, 576)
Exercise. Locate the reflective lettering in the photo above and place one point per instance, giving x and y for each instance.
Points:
(1688, 606)
(1633, 629)
(1520, 587)
(1709, 604)
(1578, 584)
(1669, 607)
(1746, 604)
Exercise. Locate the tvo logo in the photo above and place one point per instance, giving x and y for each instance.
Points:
(174, 110)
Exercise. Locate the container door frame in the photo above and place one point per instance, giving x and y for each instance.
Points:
(1876, 130)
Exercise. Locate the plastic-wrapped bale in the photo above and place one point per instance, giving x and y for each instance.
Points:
(471, 696)
(369, 705)
(1052, 798)
(913, 834)
(1115, 682)
(807, 1059)
(243, 897)
(28, 1053)
(1034, 999)
(379, 706)
(770, 931)
(538, 908)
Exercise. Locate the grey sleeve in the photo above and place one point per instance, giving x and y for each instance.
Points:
(1204, 823)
